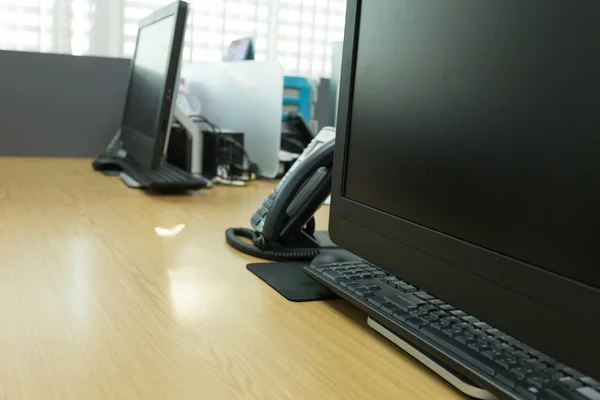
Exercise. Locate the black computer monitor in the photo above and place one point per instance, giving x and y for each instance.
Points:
(468, 160)
(154, 74)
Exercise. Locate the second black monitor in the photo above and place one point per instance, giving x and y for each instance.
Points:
(154, 74)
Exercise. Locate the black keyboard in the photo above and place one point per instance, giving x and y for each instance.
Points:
(509, 367)
(167, 178)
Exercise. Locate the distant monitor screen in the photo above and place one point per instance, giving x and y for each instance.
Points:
(150, 65)
(240, 50)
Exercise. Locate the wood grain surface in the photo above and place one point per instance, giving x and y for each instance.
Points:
(108, 293)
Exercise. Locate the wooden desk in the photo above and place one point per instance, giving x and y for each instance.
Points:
(96, 304)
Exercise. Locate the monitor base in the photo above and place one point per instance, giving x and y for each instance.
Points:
(461, 383)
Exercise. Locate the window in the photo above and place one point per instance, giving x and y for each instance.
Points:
(298, 33)
(28, 25)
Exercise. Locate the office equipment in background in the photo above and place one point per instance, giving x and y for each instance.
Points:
(149, 105)
(296, 134)
(222, 153)
(240, 50)
(243, 97)
(57, 105)
(467, 175)
(166, 179)
(322, 105)
(154, 76)
(284, 225)
(300, 96)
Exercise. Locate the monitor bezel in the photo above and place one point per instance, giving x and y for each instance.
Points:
(521, 299)
(148, 150)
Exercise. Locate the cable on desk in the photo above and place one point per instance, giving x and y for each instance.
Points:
(256, 249)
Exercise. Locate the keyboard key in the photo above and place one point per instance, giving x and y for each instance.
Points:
(412, 299)
(424, 295)
(428, 318)
(556, 375)
(447, 307)
(402, 316)
(510, 340)
(388, 278)
(571, 372)
(450, 332)
(522, 356)
(389, 308)
(414, 323)
(379, 274)
(495, 333)
(477, 346)
(479, 334)
(353, 277)
(506, 378)
(559, 392)
(522, 372)
(458, 313)
(461, 338)
(417, 313)
(590, 382)
(538, 380)
(506, 362)
(492, 354)
(377, 301)
(470, 319)
(364, 293)
(407, 288)
(589, 393)
(401, 303)
(353, 288)
(436, 325)
(531, 363)
(440, 314)
(529, 393)
(483, 326)
(366, 275)
(331, 275)
(571, 383)
(458, 349)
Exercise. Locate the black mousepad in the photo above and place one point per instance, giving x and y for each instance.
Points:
(291, 282)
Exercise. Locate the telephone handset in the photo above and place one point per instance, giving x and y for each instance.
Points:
(284, 223)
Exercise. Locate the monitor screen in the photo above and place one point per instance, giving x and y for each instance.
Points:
(149, 76)
(240, 50)
(488, 137)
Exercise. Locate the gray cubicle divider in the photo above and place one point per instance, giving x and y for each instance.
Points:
(56, 105)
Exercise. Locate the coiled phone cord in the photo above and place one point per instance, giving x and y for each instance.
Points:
(258, 247)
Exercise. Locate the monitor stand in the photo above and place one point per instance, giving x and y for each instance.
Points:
(460, 382)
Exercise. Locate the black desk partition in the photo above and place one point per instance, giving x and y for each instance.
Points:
(54, 105)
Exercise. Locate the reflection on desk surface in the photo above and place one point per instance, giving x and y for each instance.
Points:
(97, 302)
